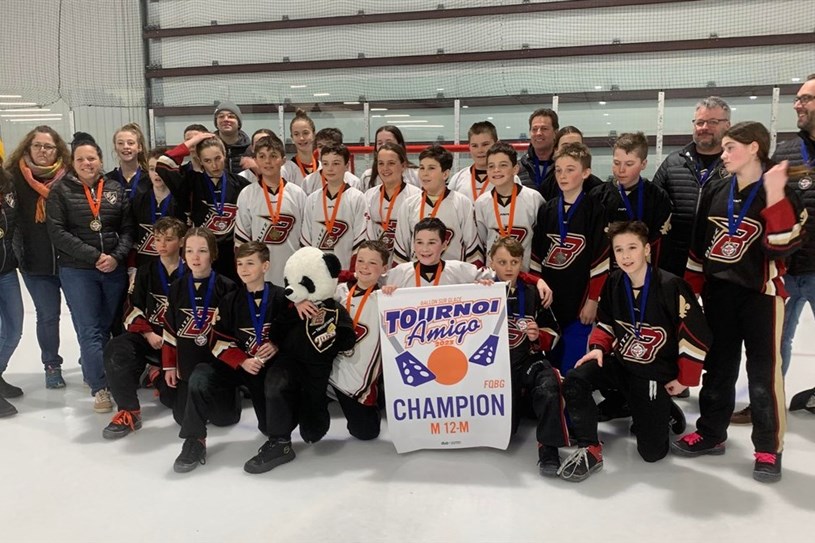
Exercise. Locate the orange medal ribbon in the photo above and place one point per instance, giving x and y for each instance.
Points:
(387, 218)
(435, 279)
(274, 214)
(329, 223)
(477, 193)
(505, 233)
(302, 165)
(98, 203)
(358, 312)
(435, 206)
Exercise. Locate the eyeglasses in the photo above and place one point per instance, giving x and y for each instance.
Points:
(43, 147)
(712, 123)
(804, 99)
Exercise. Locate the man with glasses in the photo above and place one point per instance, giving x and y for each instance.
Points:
(800, 279)
(683, 174)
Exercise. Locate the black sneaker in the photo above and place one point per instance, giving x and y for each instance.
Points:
(193, 452)
(581, 463)
(767, 468)
(6, 409)
(9, 391)
(548, 461)
(695, 445)
(677, 421)
(123, 423)
(271, 454)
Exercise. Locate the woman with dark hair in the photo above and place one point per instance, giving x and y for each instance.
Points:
(91, 225)
(11, 303)
(388, 134)
(40, 160)
(746, 226)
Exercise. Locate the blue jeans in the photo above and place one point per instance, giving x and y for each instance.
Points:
(93, 298)
(44, 291)
(11, 316)
(801, 289)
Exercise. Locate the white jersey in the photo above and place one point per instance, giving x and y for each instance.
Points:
(356, 373)
(468, 183)
(348, 229)
(454, 272)
(314, 182)
(379, 208)
(455, 211)
(254, 223)
(249, 175)
(409, 176)
(292, 172)
(528, 202)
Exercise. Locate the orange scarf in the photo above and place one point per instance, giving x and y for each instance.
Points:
(48, 175)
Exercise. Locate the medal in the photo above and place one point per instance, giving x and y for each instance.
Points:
(637, 350)
(640, 202)
(521, 324)
(258, 313)
(200, 318)
(560, 258)
(220, 226)
(804, 183)
(96, 225)
(95, 204)
(729, 248)
(275, 234)
(505, 232)
(2, 233)
(329, 241)
(629, 291)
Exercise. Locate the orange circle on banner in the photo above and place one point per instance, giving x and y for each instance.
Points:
(448, 364)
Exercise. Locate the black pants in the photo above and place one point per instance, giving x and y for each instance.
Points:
(363, 420)
(737, 315)
(649, 401)
(536, 394)
(296, 394)
(214, 397)
(125, 358)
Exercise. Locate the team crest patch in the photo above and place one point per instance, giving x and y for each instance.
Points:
(322, 329)
(10, 200)
(642, 349)
(805, 183)
(111, 197)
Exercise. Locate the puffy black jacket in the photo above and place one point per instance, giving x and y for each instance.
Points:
(235, 152)
(548, 187)
(526, 171)
(8, 224)
(70, 216)
(36, 253)
(802, 261)
(678, 176)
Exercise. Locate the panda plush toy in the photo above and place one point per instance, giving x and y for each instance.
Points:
(296, 383)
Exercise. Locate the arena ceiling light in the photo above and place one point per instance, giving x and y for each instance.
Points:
(37, 119)
(297, 86)
(18, 103)
(10, 96)
(351, 103)
(19, 110)
(419, 125)
(321, 94)
(16, 115)
(394, 115)
(379, 109)
(412, 121)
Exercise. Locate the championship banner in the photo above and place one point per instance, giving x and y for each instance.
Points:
(445, 359)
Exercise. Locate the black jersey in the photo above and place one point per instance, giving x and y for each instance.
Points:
(576, 266)
(146, 211)
(146, 304)
(674, 337)
(522, 308)
(235, 335)
(203, 194)
(753, 256)
(182, 348)
(655, 211)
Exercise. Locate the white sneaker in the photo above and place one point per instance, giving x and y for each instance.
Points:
(102, 402)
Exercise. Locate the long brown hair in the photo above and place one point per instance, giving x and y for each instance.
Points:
(134, 128)
(747, 132)
(23, 148)
(393, 147)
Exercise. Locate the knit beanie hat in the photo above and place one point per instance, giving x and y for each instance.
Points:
(228, 106)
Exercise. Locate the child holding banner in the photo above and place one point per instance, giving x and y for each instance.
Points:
(650, 342)
(532, 332)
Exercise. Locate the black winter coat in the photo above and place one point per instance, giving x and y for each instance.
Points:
(36, 253)
(803, 261)
(8, 224)
(69, 217)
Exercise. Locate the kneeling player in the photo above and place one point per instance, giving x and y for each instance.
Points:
(650, 343)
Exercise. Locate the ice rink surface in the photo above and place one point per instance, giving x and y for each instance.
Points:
(62, 482)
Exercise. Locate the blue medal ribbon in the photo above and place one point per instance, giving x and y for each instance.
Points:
(130, 188)
(162, 210)
(805, 154)
(258, 313)
(219, 208)
(563, 217)
(165, 281)
(703, 178)
(733, 222)
(640, 202)
(201, 319)
(629, 290)
(539, 177)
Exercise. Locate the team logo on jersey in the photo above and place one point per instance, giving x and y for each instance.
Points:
(111, 197)
(729, 249)
(388, 233)
(147, 246)
(804, 183)
(321, 329)
(360, 331)
(642, 350)
(10, 200)
(252, 340)
(159, 310)
(516, 331)
(562, 256)
(516, 232)
(221, 224)
(278, 233)
(190, 330)
(330, 239)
